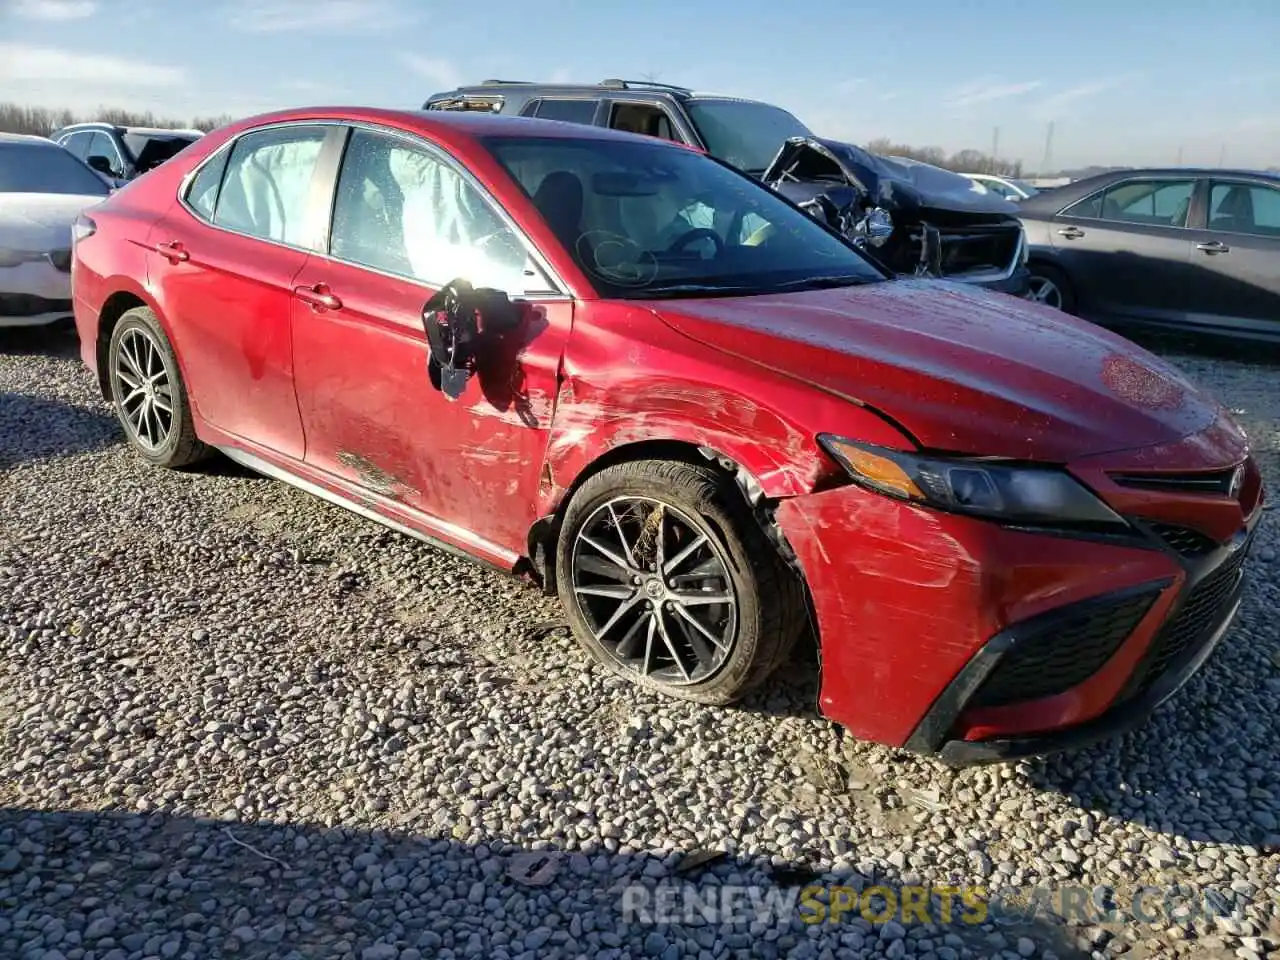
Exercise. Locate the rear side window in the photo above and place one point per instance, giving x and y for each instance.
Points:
(571, 111)
(1153, 203)
(267, 185)
(202, 195)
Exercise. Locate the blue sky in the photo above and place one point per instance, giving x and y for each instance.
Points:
(1124, 81)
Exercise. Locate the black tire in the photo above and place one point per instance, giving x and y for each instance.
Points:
(179, 446)
(770, 606)
(1046, 273)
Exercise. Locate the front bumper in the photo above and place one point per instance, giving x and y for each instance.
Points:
(34, 292)
(916, 610)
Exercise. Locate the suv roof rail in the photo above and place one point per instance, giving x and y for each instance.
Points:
(629, 84)
(499, 83)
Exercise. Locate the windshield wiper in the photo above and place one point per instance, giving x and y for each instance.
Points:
(822, 283)
(701, 290)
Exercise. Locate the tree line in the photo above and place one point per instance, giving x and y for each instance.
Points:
(42, 121)
(963, 161)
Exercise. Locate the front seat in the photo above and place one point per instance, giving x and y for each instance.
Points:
(559, 198)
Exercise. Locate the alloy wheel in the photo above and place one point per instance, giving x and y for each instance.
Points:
(144, 388)
(655, 590)
(1044, 290)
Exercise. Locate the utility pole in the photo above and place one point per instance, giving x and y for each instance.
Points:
(995, 147)
(1179, 163)
(1222, 156)
(1046, 164)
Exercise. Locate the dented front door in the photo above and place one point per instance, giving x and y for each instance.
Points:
(373, 417)
(405, 221)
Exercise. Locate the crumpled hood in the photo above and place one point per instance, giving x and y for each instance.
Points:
(895, 183)
(39, 222)
(964, 370)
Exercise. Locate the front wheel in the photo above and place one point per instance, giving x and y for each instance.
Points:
(1049, 285)
(669, 581)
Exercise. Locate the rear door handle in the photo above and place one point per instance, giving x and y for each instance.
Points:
(1213, 246)
(1071, 233)
(318, 295)
(172, 251)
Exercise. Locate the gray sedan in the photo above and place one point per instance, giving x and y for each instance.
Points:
(1195, 250)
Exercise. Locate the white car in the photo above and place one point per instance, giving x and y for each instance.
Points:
(43, 188)
(1007, 187)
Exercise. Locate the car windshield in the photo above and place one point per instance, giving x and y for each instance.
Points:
(648, 219)
(744, 133)
(1025, 187)
(46, 168)
(151, 150)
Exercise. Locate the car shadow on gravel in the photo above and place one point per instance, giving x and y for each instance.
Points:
(36, 428)
(55, 340)
(117, 885)
(1255, 353)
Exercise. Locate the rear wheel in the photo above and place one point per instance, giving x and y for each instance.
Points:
(148, 394)
(1049, 285)
(669, 581)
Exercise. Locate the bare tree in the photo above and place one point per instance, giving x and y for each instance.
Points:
(42, 121)
(963, 161)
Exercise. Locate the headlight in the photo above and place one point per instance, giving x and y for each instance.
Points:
(875, 228)
(1033, 495)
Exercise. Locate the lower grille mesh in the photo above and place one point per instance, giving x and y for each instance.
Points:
(1065, 654)
(1191, 626)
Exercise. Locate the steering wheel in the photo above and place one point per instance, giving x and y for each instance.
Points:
(697, 233)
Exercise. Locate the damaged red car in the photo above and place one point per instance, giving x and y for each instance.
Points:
(705, 419)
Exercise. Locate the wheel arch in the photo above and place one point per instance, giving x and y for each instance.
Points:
(123, 299)
(544, 532)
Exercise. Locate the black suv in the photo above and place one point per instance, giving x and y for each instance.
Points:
(122, 152)
(914, 218)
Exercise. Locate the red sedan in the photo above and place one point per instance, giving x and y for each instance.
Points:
(706, 421)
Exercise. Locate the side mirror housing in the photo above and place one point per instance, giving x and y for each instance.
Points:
(462, 323)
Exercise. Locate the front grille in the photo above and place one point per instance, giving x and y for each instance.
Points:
(1183, 540)
(1208, 481)
(26, 305)
(1191, 626)
(975, 249)
(1063, 653)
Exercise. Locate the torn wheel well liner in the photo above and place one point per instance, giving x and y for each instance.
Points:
(544, 531)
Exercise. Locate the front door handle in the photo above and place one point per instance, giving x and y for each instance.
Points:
(318, 295)
(1213, 246)
(1071, 233)
(172, 251)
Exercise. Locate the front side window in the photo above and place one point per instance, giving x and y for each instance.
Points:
(267, 185)
(45, 168)
(569, 110)
(647, 219)
(1245, 208)
(402, 210)
(102, 155)
(77, 143)
(1158, 203)
(744, 133)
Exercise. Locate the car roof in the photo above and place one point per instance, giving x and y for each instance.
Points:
(29, 138)
(125, 128)
(630, 88)
(1053, 199)
(448, 125)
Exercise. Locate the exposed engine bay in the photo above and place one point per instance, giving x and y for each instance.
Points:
(914, 218)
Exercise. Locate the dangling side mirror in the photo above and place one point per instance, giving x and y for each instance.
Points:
(460, 321)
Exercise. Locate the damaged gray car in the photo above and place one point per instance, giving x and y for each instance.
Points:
(917, 219)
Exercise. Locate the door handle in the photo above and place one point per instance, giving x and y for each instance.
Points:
(318, 295)
(1213, 246)
(1071, 233)
(172, 251)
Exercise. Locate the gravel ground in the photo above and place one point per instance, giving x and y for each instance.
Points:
(235, 720)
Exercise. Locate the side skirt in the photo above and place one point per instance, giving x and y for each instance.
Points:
(492, 555)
